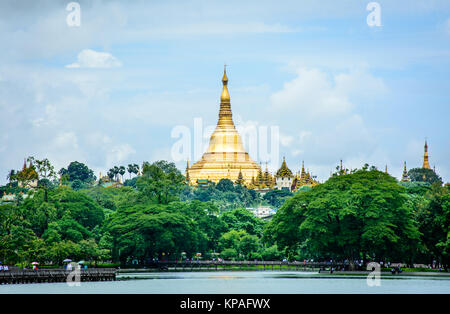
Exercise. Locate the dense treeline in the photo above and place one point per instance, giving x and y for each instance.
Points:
(153, 216)
(363, 215)
(366, 215)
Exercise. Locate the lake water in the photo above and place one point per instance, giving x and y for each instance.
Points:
(242, 282)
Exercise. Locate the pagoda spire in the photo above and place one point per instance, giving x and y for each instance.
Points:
(188, 180)
(303, 175)
(426, 164)
(225, 114)
(267, 177)
(405, 177)
(284, 171)
(226, 154)
(308, 178)
(240, 178)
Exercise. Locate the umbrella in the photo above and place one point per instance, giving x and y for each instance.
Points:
(35, 263)
(81, 262)
(67, 260)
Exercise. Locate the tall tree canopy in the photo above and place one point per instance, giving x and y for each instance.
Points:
(424, 175)
(78, 171)
(359, 215)
(160, 181)
(241, 219)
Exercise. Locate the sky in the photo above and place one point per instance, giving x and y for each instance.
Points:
(112, 90)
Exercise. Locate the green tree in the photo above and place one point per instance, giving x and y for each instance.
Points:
(59, 251)
(248, 244)
(276, 198)
(433, 216)
(78, 171)
(12, 176)
(111, 174)
(231, 239)
(271, 253)
(45, 169)
(106, 245)
(89, 250)
(229, 254)
(148, 231)
(424, 175)
(77, 184)
(243, 219)
(133, 168)
(225, 185)
(160, 182)
(167, 167)
(121, 171)
(359, 215)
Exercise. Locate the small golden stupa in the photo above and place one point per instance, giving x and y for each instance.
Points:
(426, 164)
(225, 156)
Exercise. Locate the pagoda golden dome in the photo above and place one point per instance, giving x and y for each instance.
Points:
(225, 156)
(284, 171)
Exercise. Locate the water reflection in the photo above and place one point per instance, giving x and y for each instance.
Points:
(265, 274)
(256, 282)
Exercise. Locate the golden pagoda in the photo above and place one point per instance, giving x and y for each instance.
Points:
(284, 177)
(309, 179)
(303, 178)
(268, 178)
(426, 165)
(240, 179)
(225, 156)
(405, 177)
(28, 177)
(187, 178)
(284, 171)
(260, 182)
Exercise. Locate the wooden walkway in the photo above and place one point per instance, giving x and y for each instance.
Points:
(55, 275)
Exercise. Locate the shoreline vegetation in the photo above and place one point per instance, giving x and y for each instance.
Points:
(359, 216)
(385, 272)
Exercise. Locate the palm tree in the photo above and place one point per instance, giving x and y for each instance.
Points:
(11, 175)
(116, 172)
(111, 174)
(122, 171)
(133, 168)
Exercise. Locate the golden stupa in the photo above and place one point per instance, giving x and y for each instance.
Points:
(225, 156)
(426, 164)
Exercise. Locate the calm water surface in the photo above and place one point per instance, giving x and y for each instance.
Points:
(253, 282)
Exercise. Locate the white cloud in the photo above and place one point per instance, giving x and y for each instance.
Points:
(320, 108)
(325, 117)
(212, 29)
(119, 153)
(311, 93)
(315, 94)
(286, 140)
(67, 140)
(297, 152)
(304, 135)
(88, 58)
